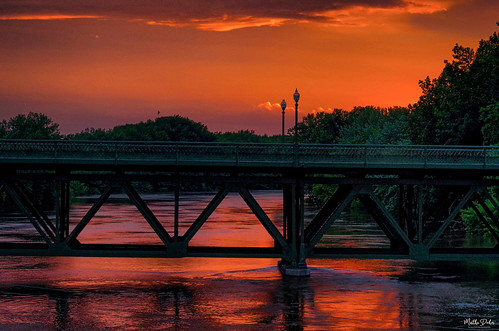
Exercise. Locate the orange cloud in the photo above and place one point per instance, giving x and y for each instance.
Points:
(225, 23)
(363, 16)
(268, 106)
(225, 15)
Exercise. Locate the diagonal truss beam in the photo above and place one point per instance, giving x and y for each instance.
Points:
(485, 222)
(489, 212)
(147, 213)
(440, 207)
(90, 214)
(262, 217)
(452, 215)
(37, 218)
(328, 214)
(380, 218)
(392, 226)
(34, 207)
(210, 208)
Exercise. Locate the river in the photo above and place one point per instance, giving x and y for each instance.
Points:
(76, 293)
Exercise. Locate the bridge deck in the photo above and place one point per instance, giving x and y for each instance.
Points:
(95, 153)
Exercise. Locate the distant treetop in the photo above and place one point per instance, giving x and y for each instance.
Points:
(31, 126)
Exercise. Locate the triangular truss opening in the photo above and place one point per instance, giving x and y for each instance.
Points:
(136, 222)
(354, 228)
(16, 228)
(479, 227)
(233, 224)
(118, 221)
(380, 223)
(29, 223)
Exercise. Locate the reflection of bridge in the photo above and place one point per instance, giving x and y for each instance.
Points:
(456, 177)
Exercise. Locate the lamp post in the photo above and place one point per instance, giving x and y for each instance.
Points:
(283, 106)
(296, 97)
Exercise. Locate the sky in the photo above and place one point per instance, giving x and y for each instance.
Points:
(225, 63)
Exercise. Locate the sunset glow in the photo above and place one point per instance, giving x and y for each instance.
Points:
(227, 64)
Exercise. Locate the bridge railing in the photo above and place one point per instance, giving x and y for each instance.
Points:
(241, 154)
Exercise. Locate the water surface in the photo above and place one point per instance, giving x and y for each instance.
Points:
(75, 293)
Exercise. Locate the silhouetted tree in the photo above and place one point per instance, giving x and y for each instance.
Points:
(322, 127)
(171, 128)
(90, 134)
(375, 125)
(247, 136)
(31, 126)
(448, 111)
(490, 130)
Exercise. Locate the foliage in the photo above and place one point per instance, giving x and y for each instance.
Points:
(490, 117)
(78, 188)
(448, 111)
(374, 125)
(170, 128)
(91, 134)
(31, 126)
(322, 192)
(321, 127)
(473, 223)
(246, 136)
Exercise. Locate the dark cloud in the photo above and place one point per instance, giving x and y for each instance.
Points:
(186, 11)
(466, 18)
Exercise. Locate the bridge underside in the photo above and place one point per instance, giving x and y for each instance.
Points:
(413, 209)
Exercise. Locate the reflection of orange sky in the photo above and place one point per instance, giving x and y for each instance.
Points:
(232, 224)
(367, 302)
(371, 309)
(380, 267)
(219, 292)
(101, 68)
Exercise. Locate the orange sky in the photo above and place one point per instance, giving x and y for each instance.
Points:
(226, 63)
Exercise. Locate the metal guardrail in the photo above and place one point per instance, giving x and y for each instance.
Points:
(241, 154)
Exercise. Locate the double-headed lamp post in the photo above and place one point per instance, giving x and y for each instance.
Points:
(296, 97)
(283, 106)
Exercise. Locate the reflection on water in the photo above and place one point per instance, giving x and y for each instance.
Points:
(231, 225)
(73, 293)
(193, 293)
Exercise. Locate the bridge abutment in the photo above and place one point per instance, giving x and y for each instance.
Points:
(288, 269)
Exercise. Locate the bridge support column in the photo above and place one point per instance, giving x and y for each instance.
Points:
(294, 264)
(62, 212)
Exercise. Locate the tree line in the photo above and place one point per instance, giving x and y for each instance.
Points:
(459, 107)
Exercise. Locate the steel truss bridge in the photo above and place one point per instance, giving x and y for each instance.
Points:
(432, 184)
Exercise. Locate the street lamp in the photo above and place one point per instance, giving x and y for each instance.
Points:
(296, 96)
(283, 106)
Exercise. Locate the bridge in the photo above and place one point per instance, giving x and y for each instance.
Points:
(432, 184)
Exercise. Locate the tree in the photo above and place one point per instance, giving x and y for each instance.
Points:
(171, 128)
(246, 136)
(490, 130)
(448, 111)
(363, 123)
(90, 134)
(31, 126)
(375, 125)
(321, 127)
